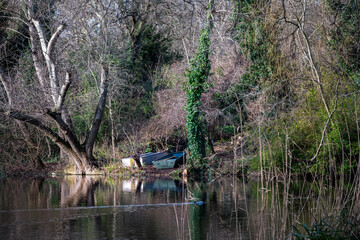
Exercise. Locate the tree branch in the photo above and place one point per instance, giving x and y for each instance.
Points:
(327, 123)
(309, 55)
(64, 145)
(38, 124)
(39, 69)
(63, 91)
(284, 16)
(70, 137)
(41, 34)
(90, 139)
(54, 38)
(6, 86)
(64, 128)
(47, 50)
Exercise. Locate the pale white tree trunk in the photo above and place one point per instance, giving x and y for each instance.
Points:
(80, 154)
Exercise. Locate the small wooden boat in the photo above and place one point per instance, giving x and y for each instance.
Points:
(148, 158)
(172, 160)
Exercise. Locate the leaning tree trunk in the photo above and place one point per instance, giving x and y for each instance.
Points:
(80, 154)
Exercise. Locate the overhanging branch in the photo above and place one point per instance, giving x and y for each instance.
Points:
(38, 124)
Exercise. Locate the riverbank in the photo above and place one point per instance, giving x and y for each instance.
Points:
(220, 164)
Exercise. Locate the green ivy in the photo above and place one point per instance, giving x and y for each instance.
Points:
(197, 76)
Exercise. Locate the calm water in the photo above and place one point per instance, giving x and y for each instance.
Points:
(77, 207)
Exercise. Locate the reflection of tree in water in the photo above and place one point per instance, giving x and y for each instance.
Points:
(138, 189)
(224, 214)
(36, 189)
(25, 193)
(81, 192)
(197, 214)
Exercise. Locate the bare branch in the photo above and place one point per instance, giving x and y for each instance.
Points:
(15, 18)
(309, 55)
(322, 136)
(54, 38)
(39, 69)
(37, 123)
(16, 31)
(6, 86)
(65, 129)
(40, 72)
(41, 34)
(90, 139)
(63, 91)
(326, 124)
(47, 50)
(284, 16)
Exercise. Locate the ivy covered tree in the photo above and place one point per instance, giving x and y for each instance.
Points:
(197, 75)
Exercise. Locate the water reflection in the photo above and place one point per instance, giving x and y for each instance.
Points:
(45, 208)
(78, 191)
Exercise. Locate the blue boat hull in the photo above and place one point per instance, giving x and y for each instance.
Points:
(172, 160)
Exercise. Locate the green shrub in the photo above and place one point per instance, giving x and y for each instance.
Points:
(346, 226)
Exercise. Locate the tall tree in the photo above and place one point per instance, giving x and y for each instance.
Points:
(53, 94)
(197, 75)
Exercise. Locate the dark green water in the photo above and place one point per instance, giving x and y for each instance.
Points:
(103, 208)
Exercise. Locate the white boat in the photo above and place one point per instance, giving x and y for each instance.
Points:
(128, 162)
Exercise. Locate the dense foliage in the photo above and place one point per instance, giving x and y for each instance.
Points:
(294, 127)
(197, 83)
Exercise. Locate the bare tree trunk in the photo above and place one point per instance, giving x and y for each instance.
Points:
(112, 130)
(90, 139)
(81, 154)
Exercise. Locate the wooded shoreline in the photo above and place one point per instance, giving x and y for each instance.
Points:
(275, 83)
